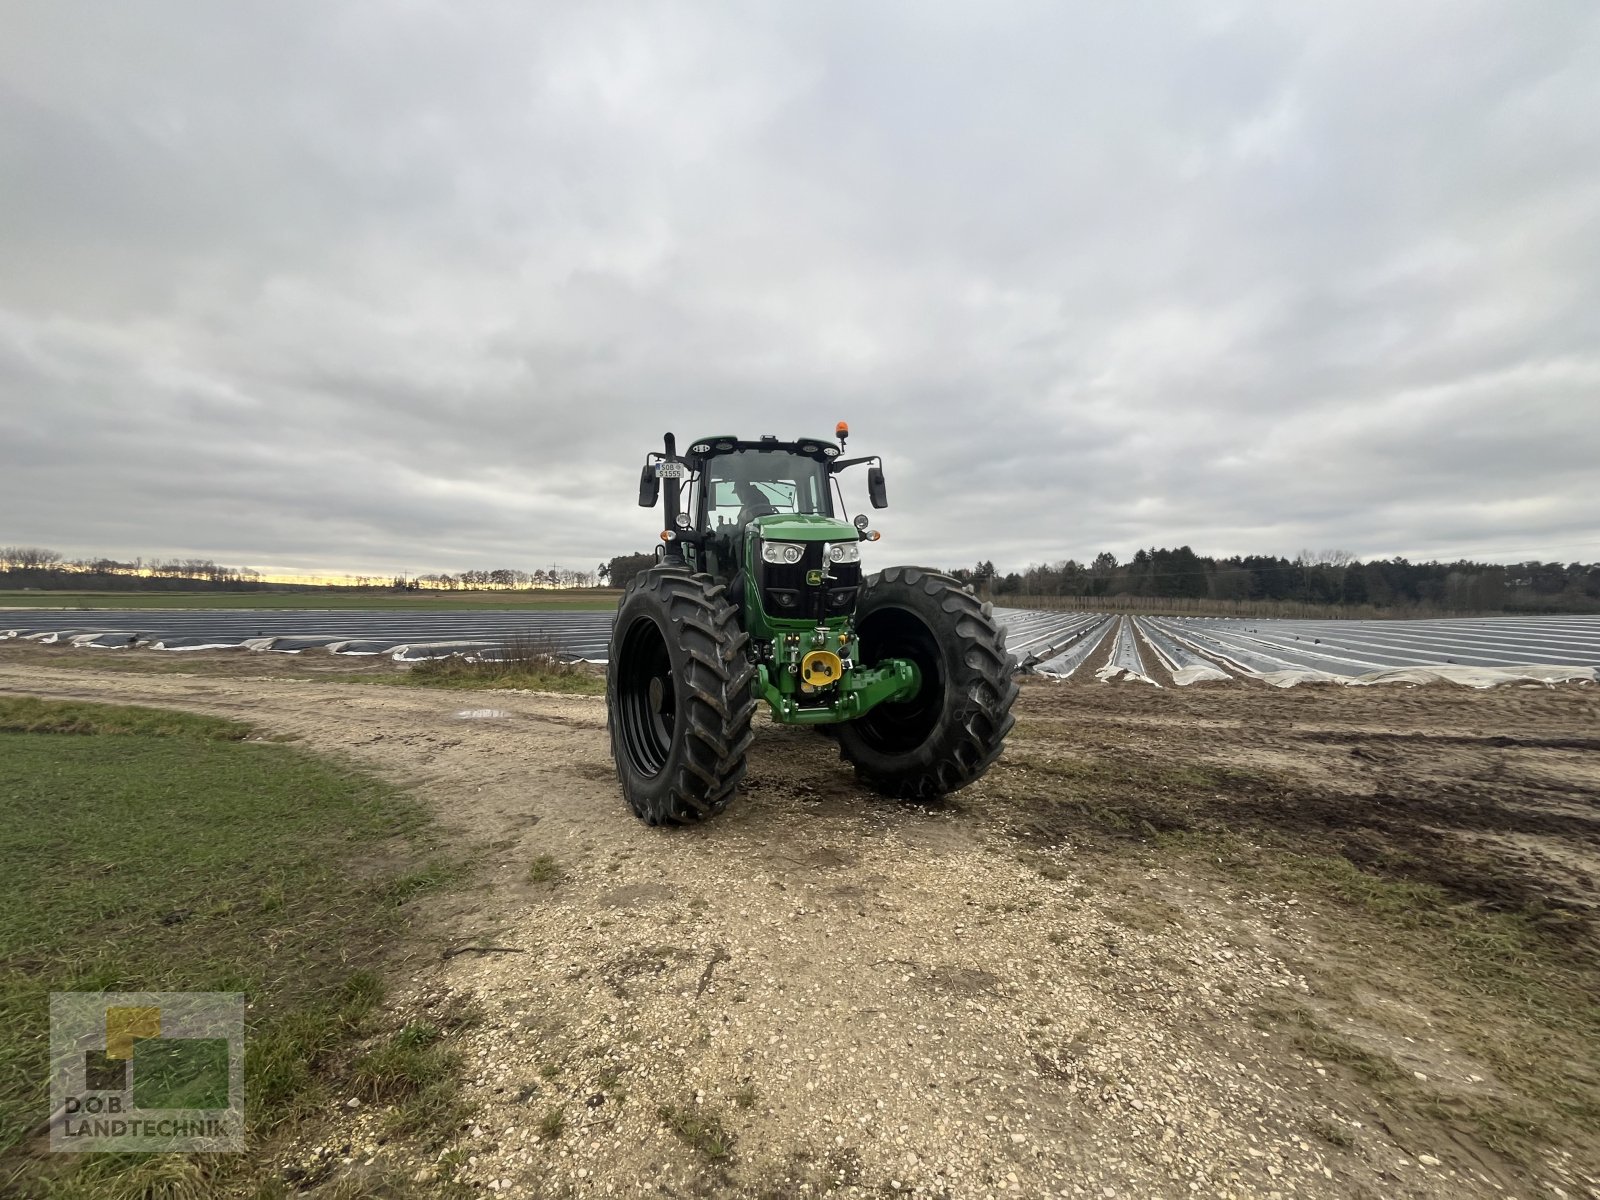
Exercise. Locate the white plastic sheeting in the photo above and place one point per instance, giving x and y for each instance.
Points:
(1471, 652)
(1079, 651)
(1476, 677)
(417, 651)
(1125, 663)
(409, 634)
(1034, 636)
(1184, 666)
(1475, 652)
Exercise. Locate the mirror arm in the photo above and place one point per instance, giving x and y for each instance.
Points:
(840, 464)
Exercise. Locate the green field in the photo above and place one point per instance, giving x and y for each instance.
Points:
(564, 600)
(152, 850)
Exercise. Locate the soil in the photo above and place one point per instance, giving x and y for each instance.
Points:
(1152, 953)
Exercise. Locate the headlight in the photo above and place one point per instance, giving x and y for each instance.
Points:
(841, 552)
(782, 552)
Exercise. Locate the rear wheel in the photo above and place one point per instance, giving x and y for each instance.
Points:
(945, 736)
(678, 696)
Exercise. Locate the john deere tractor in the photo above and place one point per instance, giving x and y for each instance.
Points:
(757, 595)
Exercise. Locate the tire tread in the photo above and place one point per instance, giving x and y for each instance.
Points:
(975, 734)
(716, 701)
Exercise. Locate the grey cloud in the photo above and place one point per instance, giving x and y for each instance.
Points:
(415, 286)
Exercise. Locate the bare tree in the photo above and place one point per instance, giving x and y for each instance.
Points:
(30, 558)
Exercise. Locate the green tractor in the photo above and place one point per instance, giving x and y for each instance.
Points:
(758, 595)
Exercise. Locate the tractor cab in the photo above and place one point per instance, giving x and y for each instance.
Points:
(733, 504)
(766, 486)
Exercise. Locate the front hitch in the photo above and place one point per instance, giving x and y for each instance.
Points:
(860, 691)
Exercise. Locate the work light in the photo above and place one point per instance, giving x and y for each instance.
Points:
(782, 552)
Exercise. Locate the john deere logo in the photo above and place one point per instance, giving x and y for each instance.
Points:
(814, 578)
(147, 1071)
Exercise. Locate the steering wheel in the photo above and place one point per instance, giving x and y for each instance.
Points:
(751, 511)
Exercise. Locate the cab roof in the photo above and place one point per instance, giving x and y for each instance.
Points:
(821, 449)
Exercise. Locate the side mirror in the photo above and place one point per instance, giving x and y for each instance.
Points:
(649, 487)
(875, 489)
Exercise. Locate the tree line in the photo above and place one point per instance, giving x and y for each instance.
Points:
(38, 567)
(1332, 578)
(504, 577)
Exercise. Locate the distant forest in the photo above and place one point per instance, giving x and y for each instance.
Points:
(1330, 579)
(36, 567)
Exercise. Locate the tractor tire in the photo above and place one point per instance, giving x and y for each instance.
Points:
(679, 699)
(948, 734)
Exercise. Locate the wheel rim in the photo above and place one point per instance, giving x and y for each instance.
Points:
(647, 697)
(898, 726)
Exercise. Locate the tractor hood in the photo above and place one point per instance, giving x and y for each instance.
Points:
(800, 527)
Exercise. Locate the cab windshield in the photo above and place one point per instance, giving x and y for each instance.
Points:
(745, 484)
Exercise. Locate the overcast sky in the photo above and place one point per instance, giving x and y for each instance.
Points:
(375, 286)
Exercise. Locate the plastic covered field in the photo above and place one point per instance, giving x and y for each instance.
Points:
(1476, 651)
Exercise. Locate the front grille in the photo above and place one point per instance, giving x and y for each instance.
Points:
(785, 593)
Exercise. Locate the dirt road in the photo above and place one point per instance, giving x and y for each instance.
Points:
(1128, 962)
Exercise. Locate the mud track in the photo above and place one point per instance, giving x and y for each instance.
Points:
(1045, 986)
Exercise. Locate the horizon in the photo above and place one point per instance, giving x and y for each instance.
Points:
(386, 578)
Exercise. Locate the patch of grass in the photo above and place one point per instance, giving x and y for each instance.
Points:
(1500, 986)
(289, 1050)
(461, 1012)
(430, 1115)
(1507, 1125)
(545, 869)
(1506, 1128)
(420, 1077)
(530, 663)
(25, 714)
(1401, 900)
(1402, 915)
(131, 1177)
(554, 1122)
(1112, 799)
(474, 676)
(1330, 1047)
(434, 875)
(381, 1183)
(1147, 914)
(139, 662)
(419, 1035)
(1047, 867)
(698, 1128)
(1334, 1135)
(1520, 956)
(160, 852)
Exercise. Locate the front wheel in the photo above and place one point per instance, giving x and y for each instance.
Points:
(948, 734)
(678, 696)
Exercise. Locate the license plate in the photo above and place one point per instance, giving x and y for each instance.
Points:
(672, 471)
